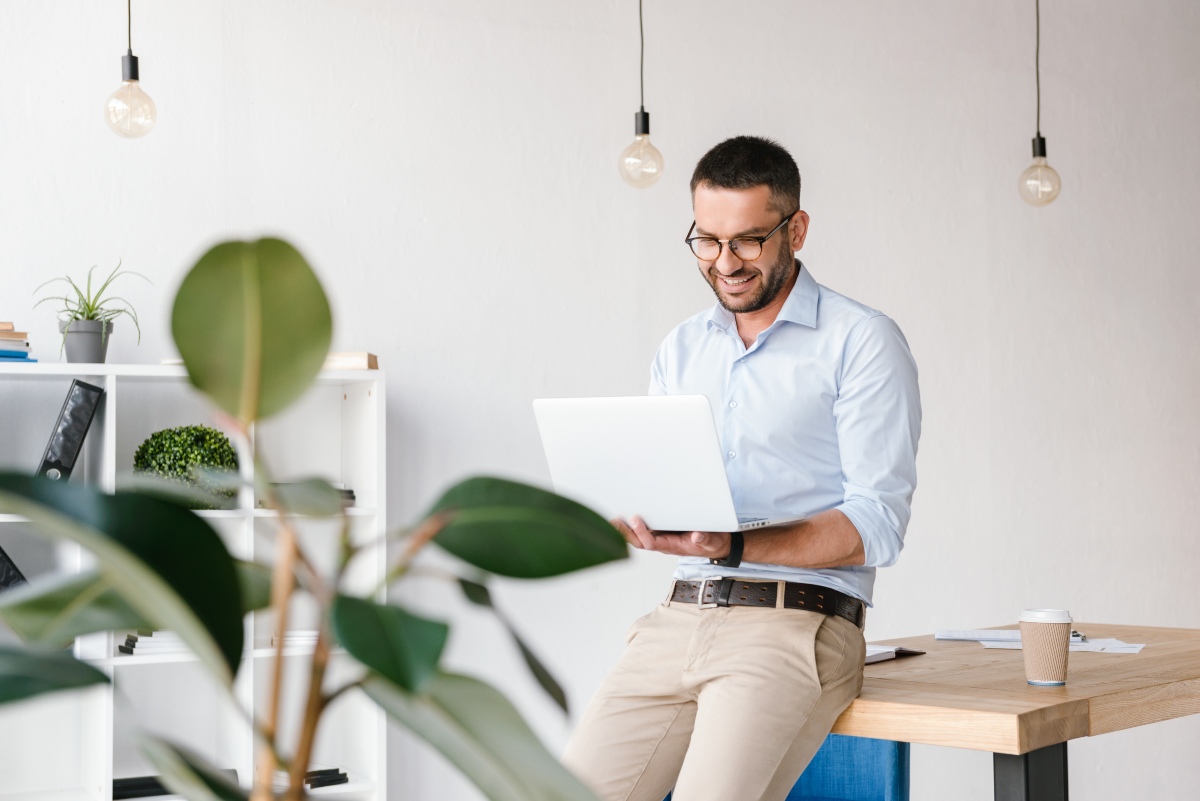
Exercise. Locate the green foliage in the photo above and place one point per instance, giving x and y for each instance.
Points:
(513, 529)
(24, 674)
(85, 304)
(167, 563)
(253, 326)
(188, 774)
(483, 735)
(176, 454)
(393, 642)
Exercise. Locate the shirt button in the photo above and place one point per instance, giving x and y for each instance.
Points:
(732, 455)
(733, 404)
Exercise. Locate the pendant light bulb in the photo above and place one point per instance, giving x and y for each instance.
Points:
(129, 111)
(1039, 184)
(641, 164)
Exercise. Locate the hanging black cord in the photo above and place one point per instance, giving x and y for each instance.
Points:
(1037, 62)
(129, 22)
(642, 68)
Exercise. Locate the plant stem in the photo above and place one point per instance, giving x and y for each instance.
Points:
(312, 714)
(425, 532)
(282, 584)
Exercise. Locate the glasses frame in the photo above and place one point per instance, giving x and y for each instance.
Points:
(761, 240)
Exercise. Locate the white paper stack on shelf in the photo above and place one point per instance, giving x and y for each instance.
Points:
(144, 643)
(297, 638)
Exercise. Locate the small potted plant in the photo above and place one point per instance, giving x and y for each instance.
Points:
(85, 317)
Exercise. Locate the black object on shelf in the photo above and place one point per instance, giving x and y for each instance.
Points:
(148, 786)
(327, 780)
(10, 574)
(73, 423)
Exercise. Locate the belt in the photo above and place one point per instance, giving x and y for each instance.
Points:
(713, 592)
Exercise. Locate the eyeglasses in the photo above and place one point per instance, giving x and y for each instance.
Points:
(746, 248)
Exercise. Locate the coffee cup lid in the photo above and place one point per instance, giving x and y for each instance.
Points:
(1045, 616)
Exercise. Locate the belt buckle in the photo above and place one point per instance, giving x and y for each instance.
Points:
(704, 582)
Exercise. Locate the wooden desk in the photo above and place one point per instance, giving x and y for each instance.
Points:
(963, 695)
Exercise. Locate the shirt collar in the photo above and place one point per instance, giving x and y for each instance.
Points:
(800, 306)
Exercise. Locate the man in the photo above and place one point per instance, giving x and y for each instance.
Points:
(816, 404)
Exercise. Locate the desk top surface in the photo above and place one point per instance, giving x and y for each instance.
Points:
(963, 695)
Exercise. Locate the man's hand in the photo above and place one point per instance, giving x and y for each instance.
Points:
(708, 544)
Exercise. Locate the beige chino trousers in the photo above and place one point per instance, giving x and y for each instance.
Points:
(725, 704)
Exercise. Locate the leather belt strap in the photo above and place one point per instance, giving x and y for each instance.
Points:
(715, 592)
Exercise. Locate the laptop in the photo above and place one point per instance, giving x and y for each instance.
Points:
(657, 457)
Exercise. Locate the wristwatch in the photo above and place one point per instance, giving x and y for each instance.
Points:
(737, 544)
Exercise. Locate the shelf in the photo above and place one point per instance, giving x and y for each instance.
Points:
(353, 511)
(70, 794)
(75, 742)
(154, 372)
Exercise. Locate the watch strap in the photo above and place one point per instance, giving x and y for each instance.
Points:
(737, 544)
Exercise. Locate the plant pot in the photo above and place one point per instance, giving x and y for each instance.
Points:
(86, 340)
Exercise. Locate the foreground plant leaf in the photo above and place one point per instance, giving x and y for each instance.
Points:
(54, 610)
(481, 733)
(188, 774)
(252, 325)
(513, 529)
(166, 562)
(479, 594)
(312, 496)
(24, 674)
(398, 645)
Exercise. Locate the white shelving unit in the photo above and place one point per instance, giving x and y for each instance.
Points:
(69, 746)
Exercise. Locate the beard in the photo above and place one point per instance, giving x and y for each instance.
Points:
(770, 284)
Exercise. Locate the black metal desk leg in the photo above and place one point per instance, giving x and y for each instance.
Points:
(1040, 775)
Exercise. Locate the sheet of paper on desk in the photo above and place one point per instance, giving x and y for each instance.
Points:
(991, 635)
(1109, 646)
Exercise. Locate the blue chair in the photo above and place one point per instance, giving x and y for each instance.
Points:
(854, 769)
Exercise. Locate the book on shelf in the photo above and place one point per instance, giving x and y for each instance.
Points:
(359, 360)
(355, 360)
(10, 334)
(66, 440)
(315, 778)
(5, 327)
(154, 642)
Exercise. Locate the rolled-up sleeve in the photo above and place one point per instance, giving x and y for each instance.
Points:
(878, 416)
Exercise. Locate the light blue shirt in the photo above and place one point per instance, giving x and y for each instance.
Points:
(821, 412)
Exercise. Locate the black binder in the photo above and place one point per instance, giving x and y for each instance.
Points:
(73, 423)
(10, 574)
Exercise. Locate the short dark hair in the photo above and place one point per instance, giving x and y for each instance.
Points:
(744, 162)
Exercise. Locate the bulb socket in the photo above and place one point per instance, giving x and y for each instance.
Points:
(129, 67)
(1039, 147)
(641, 122)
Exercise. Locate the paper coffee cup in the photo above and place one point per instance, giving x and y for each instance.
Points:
(1045, 640)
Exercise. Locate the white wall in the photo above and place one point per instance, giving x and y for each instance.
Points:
(449, 168)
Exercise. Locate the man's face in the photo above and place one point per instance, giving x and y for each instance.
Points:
(747, 286)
